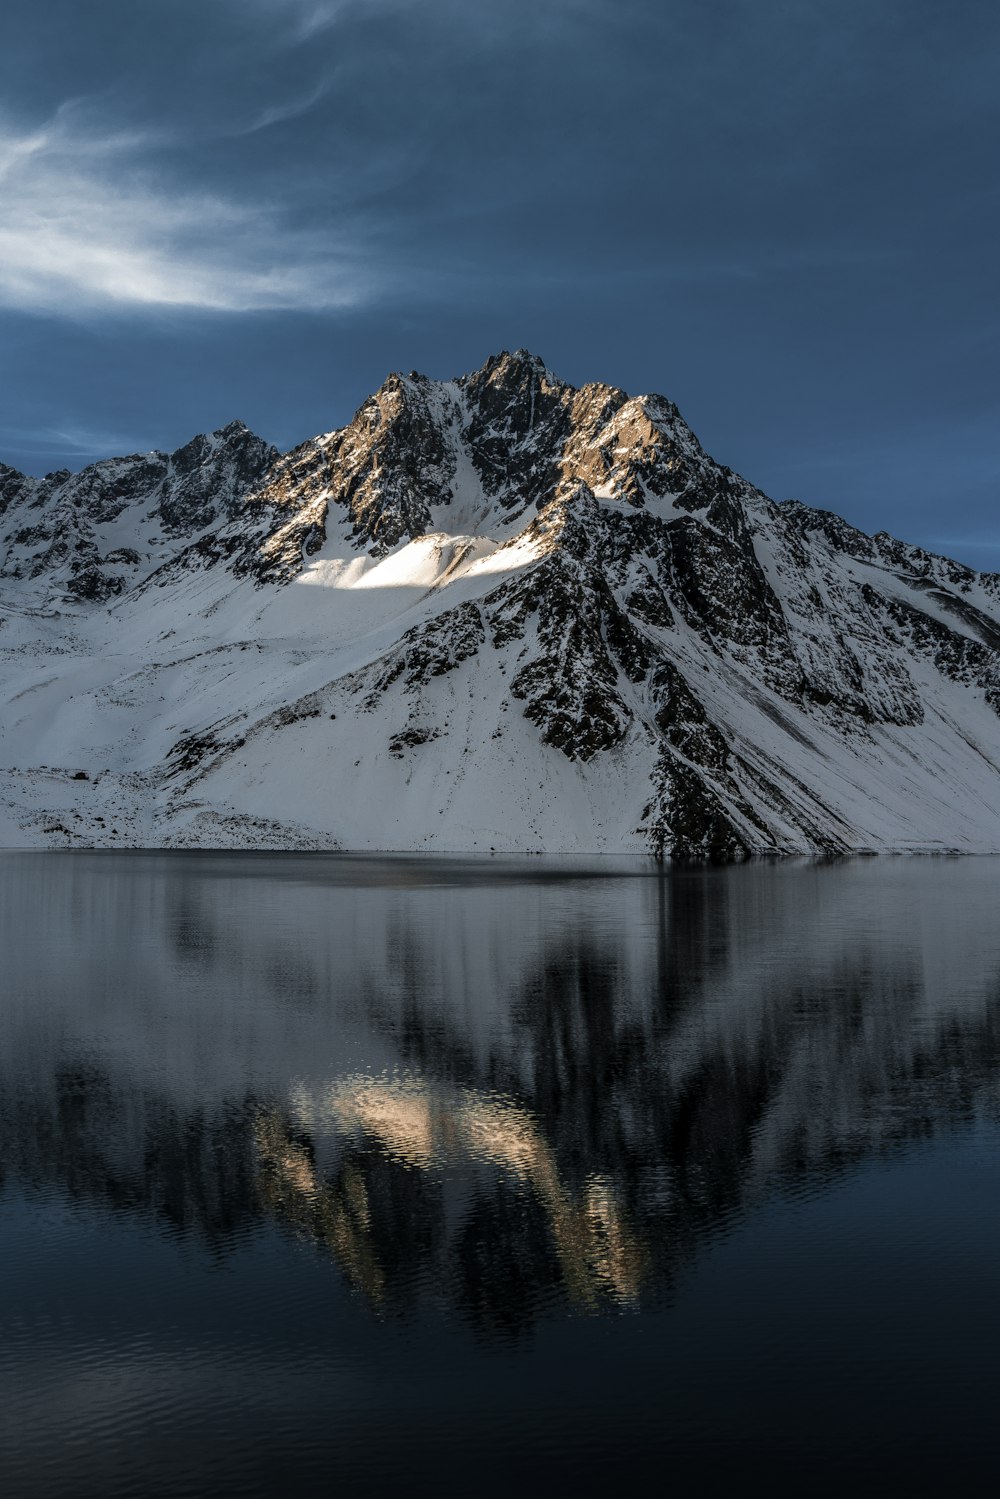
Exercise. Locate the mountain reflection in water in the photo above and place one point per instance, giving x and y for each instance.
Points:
(496, 1093)
(415, 1127)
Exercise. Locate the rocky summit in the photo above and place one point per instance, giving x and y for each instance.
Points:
(497, 612)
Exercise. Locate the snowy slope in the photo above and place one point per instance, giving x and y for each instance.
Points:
(496, 612)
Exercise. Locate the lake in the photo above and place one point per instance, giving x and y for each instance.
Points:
(470, 1176)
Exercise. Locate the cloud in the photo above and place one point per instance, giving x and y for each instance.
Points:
(293, 109)
(89, 223)
(66, 441)
(303, 19)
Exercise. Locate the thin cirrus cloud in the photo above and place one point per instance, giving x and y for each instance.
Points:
(67, 441)
(291, 109)
(89, 224)
(301, 20)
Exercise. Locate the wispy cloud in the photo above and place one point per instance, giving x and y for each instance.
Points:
(292, 109)
(89, 223)
(303, 19)
(313, 16)
(67, 441)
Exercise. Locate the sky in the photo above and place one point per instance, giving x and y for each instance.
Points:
(783, 214)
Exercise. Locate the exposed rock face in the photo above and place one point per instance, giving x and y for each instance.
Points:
(63, 527)
(492, 612)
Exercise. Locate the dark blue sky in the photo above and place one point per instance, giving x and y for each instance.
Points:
(781, 213)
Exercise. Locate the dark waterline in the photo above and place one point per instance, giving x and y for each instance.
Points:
(461, 1176)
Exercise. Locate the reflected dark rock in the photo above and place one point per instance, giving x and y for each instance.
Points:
(505, 1264)
(133, 1152)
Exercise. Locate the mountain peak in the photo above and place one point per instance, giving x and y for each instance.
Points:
(513, 367)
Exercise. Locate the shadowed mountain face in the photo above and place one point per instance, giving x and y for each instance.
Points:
(496, 612)
(472, 1086)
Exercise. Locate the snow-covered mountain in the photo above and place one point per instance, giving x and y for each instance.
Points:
(495, 612)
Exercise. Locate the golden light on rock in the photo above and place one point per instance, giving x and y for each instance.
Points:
(432, 1129)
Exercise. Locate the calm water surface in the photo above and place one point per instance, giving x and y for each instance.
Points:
(364, 1176)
